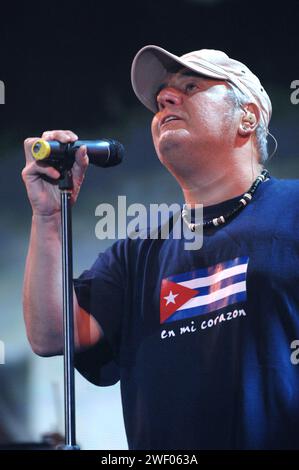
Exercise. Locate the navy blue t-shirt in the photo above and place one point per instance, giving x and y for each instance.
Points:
(201, 340)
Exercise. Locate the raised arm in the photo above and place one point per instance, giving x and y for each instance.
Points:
(42, 299)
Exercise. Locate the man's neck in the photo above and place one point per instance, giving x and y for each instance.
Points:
(210, 188)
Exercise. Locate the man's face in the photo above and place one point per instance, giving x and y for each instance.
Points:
(194, 114)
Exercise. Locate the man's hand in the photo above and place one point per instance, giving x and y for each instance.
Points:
(41, 180)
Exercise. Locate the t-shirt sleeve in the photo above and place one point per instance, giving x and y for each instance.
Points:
(100, 291)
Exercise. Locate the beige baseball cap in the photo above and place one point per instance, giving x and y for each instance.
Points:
(152, 63)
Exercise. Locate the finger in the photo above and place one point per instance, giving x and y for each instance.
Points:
(60, 135)
(35, 169)
(80, 165)
(81, 157)
(28, 143)
(72, 134)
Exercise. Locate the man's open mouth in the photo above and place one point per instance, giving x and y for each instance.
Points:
(170, 117)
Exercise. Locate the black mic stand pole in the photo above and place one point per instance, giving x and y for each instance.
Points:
(66, 186)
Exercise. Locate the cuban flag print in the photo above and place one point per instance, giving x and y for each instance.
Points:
(203, 290)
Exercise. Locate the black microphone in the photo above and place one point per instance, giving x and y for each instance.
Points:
(103, 153)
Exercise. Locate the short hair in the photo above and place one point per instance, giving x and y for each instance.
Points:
(261, 134)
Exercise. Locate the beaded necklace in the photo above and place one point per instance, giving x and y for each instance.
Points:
(223, 219)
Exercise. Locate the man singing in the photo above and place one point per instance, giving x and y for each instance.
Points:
(201, 340)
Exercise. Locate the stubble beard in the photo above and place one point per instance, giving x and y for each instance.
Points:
(175, 153)
(172, 145)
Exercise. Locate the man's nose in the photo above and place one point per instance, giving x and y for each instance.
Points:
(169, 96)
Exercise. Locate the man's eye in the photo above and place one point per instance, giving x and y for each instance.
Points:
(190, 86)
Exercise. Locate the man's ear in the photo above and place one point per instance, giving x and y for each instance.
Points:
(249, 119)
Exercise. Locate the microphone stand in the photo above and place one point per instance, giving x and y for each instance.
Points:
(63, 156)
(66, 186)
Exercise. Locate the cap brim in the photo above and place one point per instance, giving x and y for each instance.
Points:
(150, 67)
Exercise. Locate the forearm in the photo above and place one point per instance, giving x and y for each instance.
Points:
(42, 299)
(43, 286)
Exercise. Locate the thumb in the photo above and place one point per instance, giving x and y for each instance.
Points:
(81, 163)
(79, 168)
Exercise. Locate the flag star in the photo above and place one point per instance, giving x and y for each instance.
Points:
(170, 298)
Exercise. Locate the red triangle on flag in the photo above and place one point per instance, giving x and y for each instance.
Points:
(172, 297)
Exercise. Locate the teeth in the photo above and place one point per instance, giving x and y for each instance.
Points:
(170, 118)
